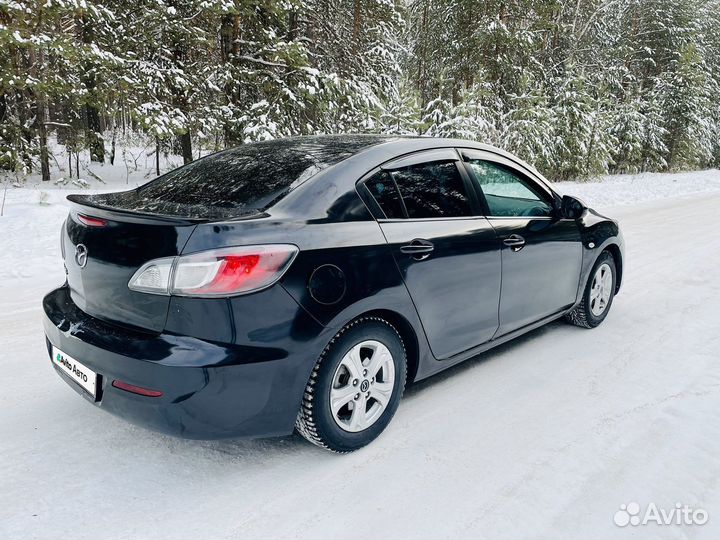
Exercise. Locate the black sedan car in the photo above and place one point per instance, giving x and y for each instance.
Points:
(302, 283)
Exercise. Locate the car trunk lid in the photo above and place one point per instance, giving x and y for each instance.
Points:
(103, 249)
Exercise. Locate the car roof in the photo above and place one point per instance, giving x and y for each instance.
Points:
(336, 149)
(331, 188)
(393, 146)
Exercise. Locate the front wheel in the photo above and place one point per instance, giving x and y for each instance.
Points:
(355, 387)
(598, 295)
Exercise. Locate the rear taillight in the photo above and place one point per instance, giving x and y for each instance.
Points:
(153, 277)
(215, 273)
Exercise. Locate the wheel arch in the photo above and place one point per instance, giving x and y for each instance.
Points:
(407, 334)
(616, 253)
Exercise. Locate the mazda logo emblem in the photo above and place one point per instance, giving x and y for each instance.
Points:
(81, 255)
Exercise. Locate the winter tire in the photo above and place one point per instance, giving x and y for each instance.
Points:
(355, 387)
(598, 295)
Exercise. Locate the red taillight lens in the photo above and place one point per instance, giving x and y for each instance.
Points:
(136, 389)
(230, 271)
(233, 271)
(215, 273)
(91, 221)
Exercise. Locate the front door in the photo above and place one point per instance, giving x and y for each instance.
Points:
(541, 253)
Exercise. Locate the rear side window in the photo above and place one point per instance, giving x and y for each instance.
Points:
(432, 190)
(385, 192)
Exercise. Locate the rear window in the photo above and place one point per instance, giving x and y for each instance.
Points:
(238, 181)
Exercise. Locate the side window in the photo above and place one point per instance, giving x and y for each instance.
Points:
(432, 190)
(506, 193)
(385, 192)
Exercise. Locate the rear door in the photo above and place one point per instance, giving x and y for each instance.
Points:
(447, 254)
(541, 253)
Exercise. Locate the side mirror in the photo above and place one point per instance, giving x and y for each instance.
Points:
(571, 207)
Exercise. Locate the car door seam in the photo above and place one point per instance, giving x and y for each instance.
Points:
(407, 289)
(502, 256)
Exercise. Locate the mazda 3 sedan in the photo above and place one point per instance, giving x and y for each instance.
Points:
(302, 283)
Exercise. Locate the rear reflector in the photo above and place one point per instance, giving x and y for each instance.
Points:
(91, 221)
(136, 389)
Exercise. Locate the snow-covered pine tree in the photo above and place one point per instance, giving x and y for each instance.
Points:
(49, 68)
(528, 126)
(578, 87)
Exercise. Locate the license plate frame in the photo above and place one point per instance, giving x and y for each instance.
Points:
(79, 373)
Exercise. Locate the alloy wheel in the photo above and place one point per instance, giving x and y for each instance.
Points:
(362, 386)
(601, 289)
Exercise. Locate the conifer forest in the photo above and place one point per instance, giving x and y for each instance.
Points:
(578, 88)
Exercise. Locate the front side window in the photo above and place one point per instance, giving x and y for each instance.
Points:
(432, 190)
(507, 194)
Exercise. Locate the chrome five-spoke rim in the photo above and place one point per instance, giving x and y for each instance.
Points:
(601, 289)
(362, 386)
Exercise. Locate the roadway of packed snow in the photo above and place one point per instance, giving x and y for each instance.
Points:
(545, 436)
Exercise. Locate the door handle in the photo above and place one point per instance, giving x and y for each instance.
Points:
(515, 242)
(419, 249)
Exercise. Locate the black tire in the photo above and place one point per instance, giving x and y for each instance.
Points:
(315, 420)
(582, 314)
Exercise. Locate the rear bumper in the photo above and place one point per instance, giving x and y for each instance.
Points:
(210, 390)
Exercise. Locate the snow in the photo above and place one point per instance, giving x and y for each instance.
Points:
(629, 189)
(545, 436)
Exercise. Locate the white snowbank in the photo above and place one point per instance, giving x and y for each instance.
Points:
(632, 189)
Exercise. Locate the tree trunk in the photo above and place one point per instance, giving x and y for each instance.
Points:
(186, 147)
(157, 156)
(293, 25)
(6, 164)
(423, 61)
(96, 144)
(42, 136)
(230, 49)
(95, 141)
(357, 23)
(37, 65)
(122, 116)
(112, 148)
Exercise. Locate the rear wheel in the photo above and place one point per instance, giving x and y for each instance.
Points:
(355, 388)
(598, 295)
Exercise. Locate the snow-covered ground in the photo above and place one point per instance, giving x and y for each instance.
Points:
(544, 436)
